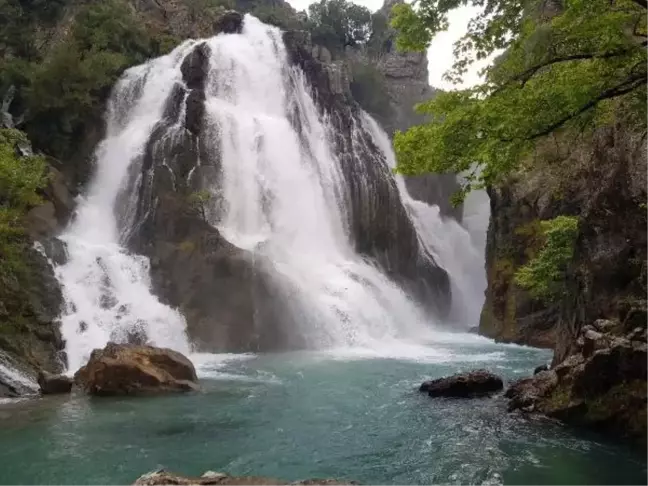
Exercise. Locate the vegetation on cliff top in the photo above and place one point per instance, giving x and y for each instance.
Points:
(573, 68)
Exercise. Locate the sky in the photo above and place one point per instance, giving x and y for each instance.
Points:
(440, 51)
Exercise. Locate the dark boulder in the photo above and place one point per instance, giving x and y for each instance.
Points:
(54, 384)
(126, 369)
(540, 369)
(464, 385)
(230, 22)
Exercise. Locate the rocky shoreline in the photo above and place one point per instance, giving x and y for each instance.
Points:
(210, 477)
(602, 386)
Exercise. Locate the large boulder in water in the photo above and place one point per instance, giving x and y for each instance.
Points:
(210, 477)
(464, 385)
(54, 384)
(126, 369)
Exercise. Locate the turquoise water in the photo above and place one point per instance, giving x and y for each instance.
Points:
(351, 414)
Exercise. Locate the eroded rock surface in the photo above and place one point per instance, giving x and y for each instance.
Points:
(602, 385)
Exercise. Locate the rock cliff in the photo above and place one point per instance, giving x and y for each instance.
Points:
(597, 323)
(30, 298)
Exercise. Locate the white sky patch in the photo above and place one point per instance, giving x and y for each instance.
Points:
(440, 51)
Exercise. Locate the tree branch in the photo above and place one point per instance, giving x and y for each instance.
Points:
(606, 95)
(529, 73)
(626, 87)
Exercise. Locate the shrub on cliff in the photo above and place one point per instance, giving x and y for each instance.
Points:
(568, 65)
(544, 275)
(71, 86)
(20, 179)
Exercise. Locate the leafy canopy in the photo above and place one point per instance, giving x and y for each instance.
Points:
(336, 24)
(567, 65)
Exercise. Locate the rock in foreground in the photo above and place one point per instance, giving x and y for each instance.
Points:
(602, 385)
(54, 384)
(210, 477)
(127, 369)
(464, 385)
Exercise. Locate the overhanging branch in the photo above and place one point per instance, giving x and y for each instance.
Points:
(629, 85)
(529, 73)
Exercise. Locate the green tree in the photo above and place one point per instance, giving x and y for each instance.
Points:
(336, 24)
(566, 67)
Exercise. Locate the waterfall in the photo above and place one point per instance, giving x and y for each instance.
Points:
(458, 247)
(281, 194)
(284, 194)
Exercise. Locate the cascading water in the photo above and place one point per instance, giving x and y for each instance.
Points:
(282, 196)
(17, 381)
(458, 248)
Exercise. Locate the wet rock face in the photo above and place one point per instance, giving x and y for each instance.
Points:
(224, 291)
(30, 307)
(31, 300)
(7, 391)
(211, 477)
(464, 385)
(230, 22)
(126, 369)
